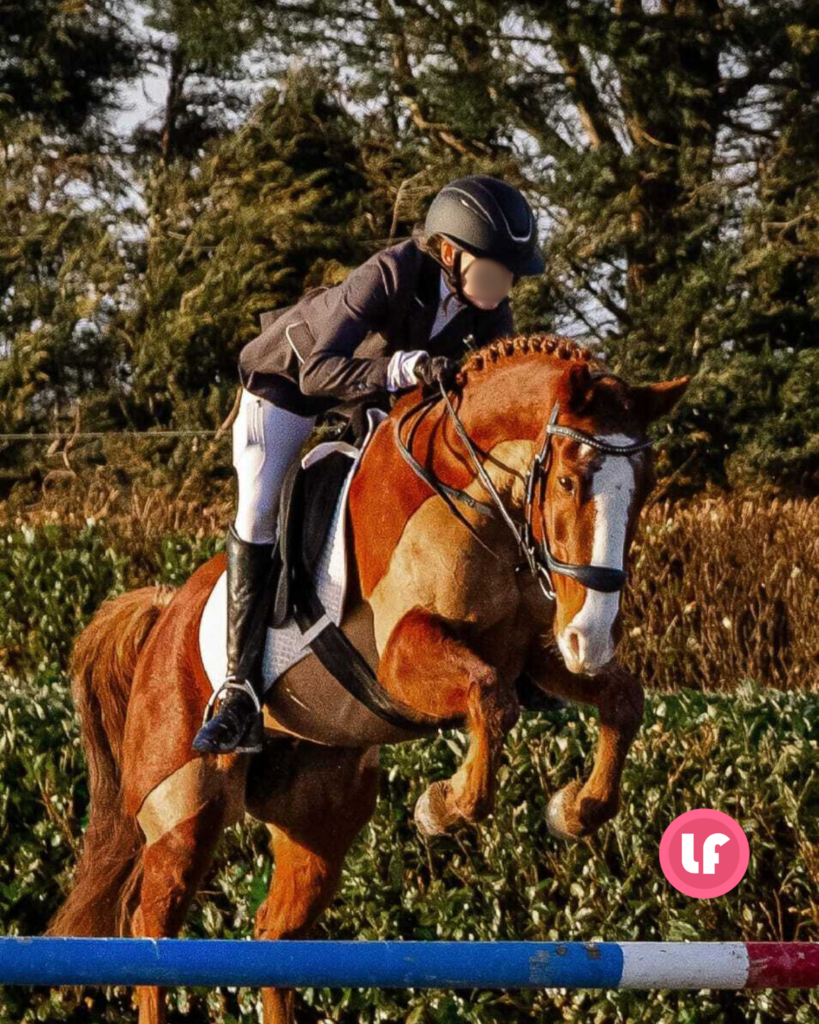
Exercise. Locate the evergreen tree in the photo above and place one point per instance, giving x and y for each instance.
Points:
(760, 384)
(62, 64)
(62, 201)
(671, 147)
(276, 207)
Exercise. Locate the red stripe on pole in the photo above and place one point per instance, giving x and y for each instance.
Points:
(783, 964)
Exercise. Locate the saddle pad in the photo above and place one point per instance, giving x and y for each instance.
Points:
(287, 645)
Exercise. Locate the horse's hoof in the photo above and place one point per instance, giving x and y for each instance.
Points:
(557, 814)
(432, 814)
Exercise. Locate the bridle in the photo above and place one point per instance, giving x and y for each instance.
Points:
(541, 562)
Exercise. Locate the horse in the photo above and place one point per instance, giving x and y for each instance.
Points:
(489, 540)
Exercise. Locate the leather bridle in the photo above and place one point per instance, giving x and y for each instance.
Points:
(540, 562)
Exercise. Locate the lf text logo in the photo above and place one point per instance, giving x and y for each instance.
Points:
(704, 853)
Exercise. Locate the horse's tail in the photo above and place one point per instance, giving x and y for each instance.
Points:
(101, 666)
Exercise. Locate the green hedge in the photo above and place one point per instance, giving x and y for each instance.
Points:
(53, 579)
(751, 754)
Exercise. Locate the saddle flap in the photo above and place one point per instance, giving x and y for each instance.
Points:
(321, 487)
(286, 551)
(309, 495)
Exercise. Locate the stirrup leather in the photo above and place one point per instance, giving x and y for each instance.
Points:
(228, 685)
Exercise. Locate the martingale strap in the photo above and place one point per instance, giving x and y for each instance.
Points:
(448, 494)
(345, 663)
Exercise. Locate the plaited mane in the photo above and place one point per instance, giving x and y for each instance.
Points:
(554, 346)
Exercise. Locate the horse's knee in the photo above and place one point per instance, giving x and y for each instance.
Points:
(496, 702)
(622, 703)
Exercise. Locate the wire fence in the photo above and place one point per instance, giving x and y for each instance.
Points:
(111, 433)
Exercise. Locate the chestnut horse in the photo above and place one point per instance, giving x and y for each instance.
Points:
(456, 618)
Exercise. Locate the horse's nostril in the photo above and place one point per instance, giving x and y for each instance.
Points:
(574, 644)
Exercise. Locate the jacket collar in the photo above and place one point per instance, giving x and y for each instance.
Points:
(428, 295)
(428, 284)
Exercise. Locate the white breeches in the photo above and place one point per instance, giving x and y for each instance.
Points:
(266, 439)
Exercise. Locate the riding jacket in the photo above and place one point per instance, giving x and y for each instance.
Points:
(335, 344)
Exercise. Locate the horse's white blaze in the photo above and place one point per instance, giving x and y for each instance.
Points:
(612, 491)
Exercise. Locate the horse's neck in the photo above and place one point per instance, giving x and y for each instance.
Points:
(503, 414)
(512, 401)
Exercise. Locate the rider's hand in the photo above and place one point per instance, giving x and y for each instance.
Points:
(433, 369)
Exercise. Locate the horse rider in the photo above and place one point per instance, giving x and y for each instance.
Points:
(397, 320)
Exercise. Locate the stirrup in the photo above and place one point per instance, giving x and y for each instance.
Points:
(228, 685)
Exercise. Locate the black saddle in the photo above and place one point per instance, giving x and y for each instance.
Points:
(307, 505)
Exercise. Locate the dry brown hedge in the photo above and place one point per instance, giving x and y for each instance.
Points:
(723, 587)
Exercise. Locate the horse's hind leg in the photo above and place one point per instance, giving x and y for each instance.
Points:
(177, 856)
(319, 800)
(428, 667)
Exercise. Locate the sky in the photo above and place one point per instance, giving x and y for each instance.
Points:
(145, 96)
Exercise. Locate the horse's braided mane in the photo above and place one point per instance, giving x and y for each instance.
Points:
(553, 346)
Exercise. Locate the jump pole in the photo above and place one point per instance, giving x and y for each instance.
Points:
(299, 963)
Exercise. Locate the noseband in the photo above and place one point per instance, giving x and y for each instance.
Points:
(541, 562)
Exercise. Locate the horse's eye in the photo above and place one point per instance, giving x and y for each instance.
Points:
(566, 483)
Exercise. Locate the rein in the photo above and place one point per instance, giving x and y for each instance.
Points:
(540, 562)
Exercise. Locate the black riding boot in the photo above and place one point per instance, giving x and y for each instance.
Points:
(237, 728)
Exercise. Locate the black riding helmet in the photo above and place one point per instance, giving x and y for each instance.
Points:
(488, 218)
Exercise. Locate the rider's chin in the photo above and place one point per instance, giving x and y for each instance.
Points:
(580, 668)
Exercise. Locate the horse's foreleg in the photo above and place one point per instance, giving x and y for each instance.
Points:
(579, 809)
(428, 667)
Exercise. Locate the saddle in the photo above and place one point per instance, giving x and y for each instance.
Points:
(307, 505)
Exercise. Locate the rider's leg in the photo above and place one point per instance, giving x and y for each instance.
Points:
(266, 439)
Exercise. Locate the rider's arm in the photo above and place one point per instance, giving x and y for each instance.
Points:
(358, 306)
(402, 366)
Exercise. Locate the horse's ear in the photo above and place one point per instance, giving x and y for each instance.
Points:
(651, 401)
(578, 387)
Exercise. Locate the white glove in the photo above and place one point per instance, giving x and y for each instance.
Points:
(401, 369)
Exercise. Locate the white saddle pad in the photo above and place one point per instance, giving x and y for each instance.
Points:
(287, 645)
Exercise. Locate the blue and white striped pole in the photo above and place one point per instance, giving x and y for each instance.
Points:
(298, 963)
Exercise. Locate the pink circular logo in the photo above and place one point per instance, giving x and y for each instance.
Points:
(704, 853)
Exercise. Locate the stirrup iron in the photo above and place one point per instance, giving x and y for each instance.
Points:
(228, 685)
